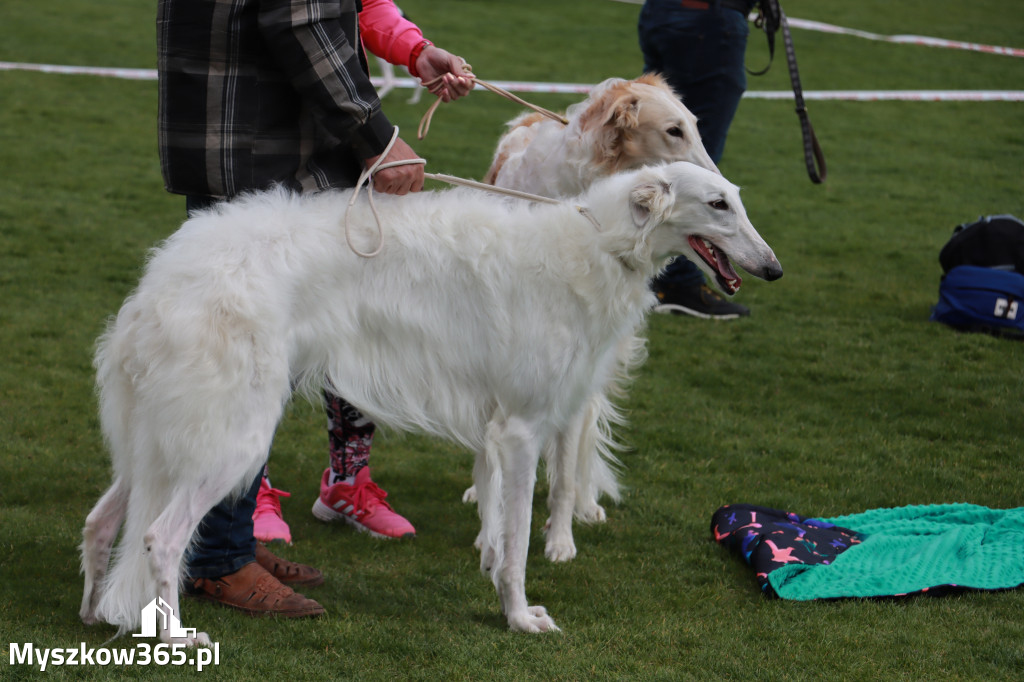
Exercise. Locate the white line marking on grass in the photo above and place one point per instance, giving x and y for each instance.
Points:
(583, 88)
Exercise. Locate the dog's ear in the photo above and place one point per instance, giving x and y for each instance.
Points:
(625, 113)
(650, 201)
(609, 120)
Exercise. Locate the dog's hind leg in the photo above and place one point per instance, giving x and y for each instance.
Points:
(562, 488)
(165, 542)
(98, 537)
(233, 457)
(517, 444)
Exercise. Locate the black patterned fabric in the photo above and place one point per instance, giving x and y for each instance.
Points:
(770, 538)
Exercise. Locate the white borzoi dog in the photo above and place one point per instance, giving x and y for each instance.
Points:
(621, 125)
(483, 321)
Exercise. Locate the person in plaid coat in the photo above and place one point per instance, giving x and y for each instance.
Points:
(258, 93)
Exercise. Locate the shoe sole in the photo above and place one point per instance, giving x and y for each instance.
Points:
(256, 613)
(328, 515)
(677, 309)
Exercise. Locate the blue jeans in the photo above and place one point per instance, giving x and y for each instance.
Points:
(224, 542)
(700, 54)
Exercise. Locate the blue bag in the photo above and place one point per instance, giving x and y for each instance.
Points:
(982, 289)
(978, 299)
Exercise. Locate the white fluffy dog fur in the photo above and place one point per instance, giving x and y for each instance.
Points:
(488, 322)
(621, 125)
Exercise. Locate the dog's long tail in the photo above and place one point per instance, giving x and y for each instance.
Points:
(118, 598)
(177, 447)
(130, 584)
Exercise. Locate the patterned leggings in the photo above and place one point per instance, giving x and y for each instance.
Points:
(350, 435)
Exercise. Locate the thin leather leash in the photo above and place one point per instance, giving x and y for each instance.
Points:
(425, 121)
(771, 18)
(366, 176)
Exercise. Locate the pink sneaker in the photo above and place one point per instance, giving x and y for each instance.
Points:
(267, 523)
(361, 505)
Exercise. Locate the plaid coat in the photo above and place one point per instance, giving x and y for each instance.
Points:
(257, 92)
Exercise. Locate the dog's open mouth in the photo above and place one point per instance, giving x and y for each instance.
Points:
(727, 278)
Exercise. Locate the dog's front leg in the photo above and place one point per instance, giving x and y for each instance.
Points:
(518, 450)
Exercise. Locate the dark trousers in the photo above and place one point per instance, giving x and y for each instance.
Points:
(700, 53)
(224, 541)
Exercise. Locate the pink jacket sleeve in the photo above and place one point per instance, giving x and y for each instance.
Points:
(386, 33)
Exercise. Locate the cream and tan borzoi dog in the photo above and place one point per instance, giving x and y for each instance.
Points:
(621, 125)
(487, 322)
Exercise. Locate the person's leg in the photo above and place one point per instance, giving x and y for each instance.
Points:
(695, 50)
(350, 436)
(224, 542)
(221, 562)
(346, 491)
(704, 63)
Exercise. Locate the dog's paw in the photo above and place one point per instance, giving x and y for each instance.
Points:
(88, 611)
(200, 639)
(592, 514)
(533, 619)
(469, 497)
(488, 557)
(560, 552)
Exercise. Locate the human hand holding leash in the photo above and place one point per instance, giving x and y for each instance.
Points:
(398, 179)
(444, 74)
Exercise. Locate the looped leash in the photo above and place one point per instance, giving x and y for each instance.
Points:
(425, 121)
(771, 18)
(367, 175)
(364, 178)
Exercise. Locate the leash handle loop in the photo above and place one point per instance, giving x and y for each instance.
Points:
(366, 178)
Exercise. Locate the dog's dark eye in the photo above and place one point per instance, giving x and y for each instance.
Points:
(719, 205)
(675, 131)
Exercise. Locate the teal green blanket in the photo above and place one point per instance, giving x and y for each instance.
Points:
(915, 548)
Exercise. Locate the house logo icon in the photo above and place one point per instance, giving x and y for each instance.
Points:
(158, 608)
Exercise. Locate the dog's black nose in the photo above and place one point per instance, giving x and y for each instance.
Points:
(772, 272)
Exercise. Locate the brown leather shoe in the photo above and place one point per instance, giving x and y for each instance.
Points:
(253, 590)
(288, 572)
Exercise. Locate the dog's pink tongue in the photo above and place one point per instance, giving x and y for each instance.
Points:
(719, 262)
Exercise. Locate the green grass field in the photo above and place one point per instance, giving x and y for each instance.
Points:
(837, 395)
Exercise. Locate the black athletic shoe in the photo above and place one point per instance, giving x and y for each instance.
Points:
(699, 301)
